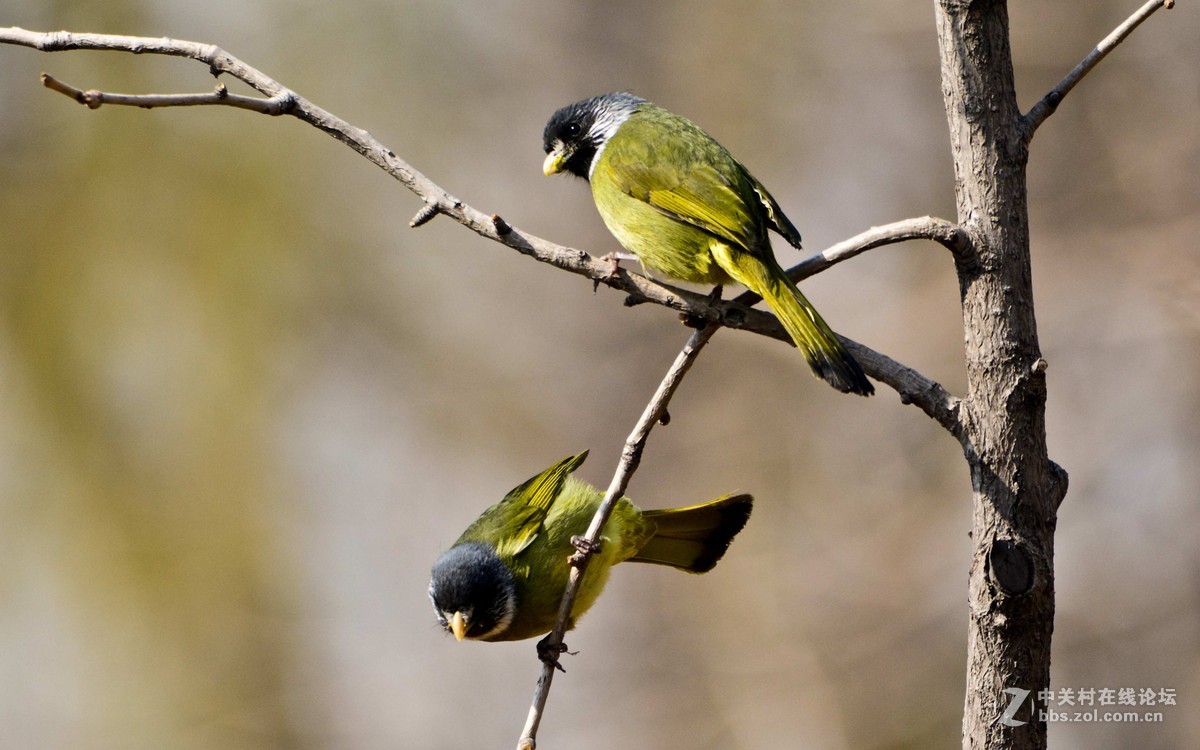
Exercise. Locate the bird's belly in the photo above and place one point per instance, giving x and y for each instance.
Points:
(538, 600)
(663, 245)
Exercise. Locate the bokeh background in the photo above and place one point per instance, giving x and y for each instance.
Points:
(244, 406)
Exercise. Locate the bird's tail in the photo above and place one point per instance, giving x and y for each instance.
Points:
(694, 538)
(826, 356)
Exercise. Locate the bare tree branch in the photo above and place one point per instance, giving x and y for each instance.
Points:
(911, 385)
(276, 105)
(699, 309)
(914, 388)
(1044, 108)
(631, 456)
(947, 234)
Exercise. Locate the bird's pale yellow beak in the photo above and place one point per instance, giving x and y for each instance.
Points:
(554, 162)
(458, 626)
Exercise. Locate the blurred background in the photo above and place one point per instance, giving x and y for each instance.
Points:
(245, 406)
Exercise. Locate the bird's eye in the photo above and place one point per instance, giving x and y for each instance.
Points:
(572, 129)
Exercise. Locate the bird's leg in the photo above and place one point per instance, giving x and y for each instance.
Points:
(584, 547)
(715, 295)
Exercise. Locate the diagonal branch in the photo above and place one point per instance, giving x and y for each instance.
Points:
(1044, 108)
(913, 387)
(631, 456)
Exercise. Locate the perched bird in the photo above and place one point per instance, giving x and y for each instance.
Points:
(503, 580)
(682, 204)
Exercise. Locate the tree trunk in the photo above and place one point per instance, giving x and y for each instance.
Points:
(1016, 488)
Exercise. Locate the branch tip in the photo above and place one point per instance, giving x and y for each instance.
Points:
(1038, 114)
(425, 215)
(54, 84)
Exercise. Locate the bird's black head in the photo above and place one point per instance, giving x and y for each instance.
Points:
(577, 133)
(472, 592)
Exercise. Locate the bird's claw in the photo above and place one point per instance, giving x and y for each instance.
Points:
(549, 652)
(614, 262)
(584, 547)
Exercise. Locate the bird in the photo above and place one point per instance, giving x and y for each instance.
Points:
(686, 208)
(504, 578)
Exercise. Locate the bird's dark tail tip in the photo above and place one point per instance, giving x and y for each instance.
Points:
(840, 369)
(695, 538)
(825, 353)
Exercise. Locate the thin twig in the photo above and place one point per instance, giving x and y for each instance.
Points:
(631, 456)
(951, 236)
(947, 234)
(1044, 108)
(276, 105)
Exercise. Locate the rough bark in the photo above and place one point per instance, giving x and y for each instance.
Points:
(1016, 488)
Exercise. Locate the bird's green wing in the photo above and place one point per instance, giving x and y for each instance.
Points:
(674, 166)
(512, 524)
(693, 193)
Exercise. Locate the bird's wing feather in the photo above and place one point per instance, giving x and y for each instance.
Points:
(670, 164)
(698, 195)
(513, 523)
(696, 182)
(776, 219)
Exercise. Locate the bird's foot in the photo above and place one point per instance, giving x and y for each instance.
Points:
(584, 547)
(549, 652)
(614, 262)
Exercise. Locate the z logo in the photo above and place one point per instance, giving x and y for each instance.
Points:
(1018, 697)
